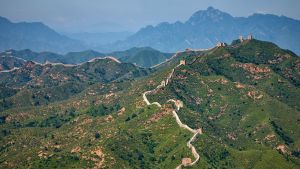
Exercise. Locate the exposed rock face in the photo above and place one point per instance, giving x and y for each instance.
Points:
(76, 149)
(282, 148)
(253, 69)
(255, 95)
(157, 116)
(109, 118)
(186, 161)
(121, 111)
(239, 86)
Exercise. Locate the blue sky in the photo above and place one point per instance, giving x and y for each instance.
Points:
(130, 15)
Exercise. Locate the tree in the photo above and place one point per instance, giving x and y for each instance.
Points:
(97, 135)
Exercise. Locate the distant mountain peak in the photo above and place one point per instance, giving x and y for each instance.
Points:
(210, 14)
(212, 9)
(35, 36)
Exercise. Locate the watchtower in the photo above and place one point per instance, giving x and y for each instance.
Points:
(221, 44)
(250, 37)
(182, 62)
(163, 83)
(241, 38)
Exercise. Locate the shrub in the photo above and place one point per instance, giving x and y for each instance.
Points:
(5, 132)
(102, 110)
(97, 135)
(2, 119)
(281, 133)
(128, 118)
(133, 115)
(32, 124)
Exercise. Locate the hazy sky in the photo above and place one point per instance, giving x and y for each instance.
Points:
(122, 15)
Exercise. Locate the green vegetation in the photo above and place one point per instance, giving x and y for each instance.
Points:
(102, 110)
(282, 135)
(144, 57)
(245, 97)
(8, 63)
(42, 84)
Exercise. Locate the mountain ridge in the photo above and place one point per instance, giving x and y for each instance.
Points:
(34, 35)
(206, 27)
(143, 56)
(39, 79)
(243, 96)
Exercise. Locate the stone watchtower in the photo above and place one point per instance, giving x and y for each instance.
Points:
(163, 83)
(250, 37)
(187, 49)
(182, 62)
(221, 44)
(241, 38)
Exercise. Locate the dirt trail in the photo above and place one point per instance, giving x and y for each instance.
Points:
(178, 105)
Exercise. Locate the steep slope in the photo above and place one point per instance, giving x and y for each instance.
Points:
(8, 63)
(234, 94)
(245, 97)
(27, 54)
(35, 36)
(40, 84)
(206, 27)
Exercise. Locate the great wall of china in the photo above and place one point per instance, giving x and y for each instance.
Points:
(65, 65)
(178, 105)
